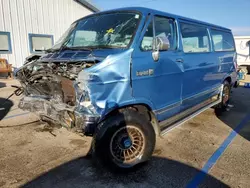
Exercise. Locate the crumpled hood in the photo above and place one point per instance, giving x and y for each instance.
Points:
(78, 55)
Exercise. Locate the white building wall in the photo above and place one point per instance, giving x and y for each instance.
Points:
(20, 17)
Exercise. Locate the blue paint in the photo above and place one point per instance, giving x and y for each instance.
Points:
(213, 159)
(240, 75)
(247, 85)
(16, 115)
(127, 143)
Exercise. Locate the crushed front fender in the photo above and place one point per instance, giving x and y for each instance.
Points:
(108, 83)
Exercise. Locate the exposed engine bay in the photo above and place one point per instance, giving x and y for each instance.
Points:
(76, 89)
(51, 90)
(52, 80)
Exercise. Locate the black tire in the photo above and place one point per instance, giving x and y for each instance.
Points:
(223, 105)
(113, 133)
(248, 69)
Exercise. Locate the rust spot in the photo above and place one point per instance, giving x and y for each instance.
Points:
(68, 91)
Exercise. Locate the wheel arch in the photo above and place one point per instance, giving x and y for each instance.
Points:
(229, 79)
(143, 109)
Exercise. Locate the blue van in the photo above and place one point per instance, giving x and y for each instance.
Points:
(128, 75)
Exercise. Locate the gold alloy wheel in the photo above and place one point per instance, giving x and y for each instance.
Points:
(127, 145)
(226, 93)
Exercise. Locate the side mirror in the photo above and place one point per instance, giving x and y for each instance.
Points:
(160, 44)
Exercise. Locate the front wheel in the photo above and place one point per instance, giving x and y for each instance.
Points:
(124, 140)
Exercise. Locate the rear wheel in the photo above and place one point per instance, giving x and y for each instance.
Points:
(123, 140)
(223, 105)
(226, 94)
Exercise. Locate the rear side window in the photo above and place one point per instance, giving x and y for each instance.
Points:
(222, 41)
(164, 27)
(194, 38)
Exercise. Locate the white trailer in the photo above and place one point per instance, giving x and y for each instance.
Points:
(243, 51)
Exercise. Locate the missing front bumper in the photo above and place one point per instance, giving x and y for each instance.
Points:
(76, 118)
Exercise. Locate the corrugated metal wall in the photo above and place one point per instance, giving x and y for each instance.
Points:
(20, 17)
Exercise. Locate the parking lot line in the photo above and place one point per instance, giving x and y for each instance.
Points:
(16, 115)
(216, 155)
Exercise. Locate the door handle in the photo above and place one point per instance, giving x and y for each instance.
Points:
(179, 60)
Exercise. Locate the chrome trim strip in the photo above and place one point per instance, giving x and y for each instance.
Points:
(177, 104)
(187, 112)
(167, 108)
(165, 131)
(203, 93)
(178, 123)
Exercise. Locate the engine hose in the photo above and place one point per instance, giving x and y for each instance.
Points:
(19, 91)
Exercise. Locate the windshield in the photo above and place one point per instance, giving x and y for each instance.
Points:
(113, 30)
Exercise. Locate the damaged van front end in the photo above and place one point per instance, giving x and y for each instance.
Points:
(75, 94)
(85, 75)
(52, 92)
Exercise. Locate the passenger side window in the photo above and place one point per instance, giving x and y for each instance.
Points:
(163, 27)
(194, 38)
(222, 41)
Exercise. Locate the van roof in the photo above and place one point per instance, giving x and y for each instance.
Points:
(148, 10)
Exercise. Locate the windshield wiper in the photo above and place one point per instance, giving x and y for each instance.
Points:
(77, 48)
(63, 46)
(51, 50)
(105, 47)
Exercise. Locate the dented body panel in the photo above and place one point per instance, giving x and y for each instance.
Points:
(87, 96)
(109, 83)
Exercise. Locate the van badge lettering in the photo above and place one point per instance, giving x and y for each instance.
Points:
(148, 72)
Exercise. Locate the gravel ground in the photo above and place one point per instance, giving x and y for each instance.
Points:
(35, 155)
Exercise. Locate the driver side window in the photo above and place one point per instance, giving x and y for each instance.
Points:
(147, 41)
(163, 27)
